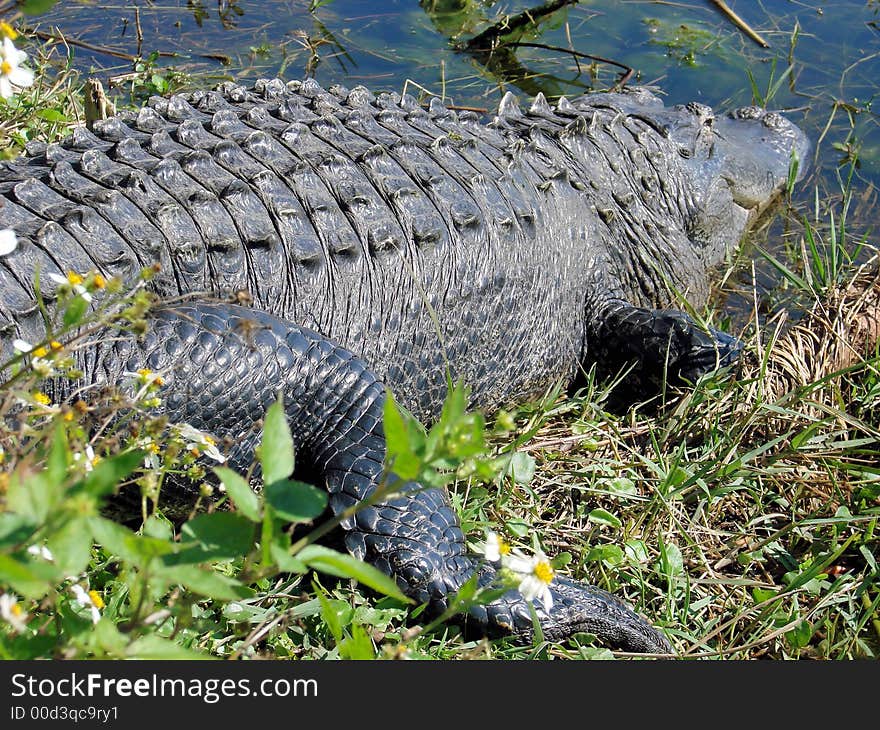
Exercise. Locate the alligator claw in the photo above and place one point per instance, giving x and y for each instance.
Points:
(657, 348)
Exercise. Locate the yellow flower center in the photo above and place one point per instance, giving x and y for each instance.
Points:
(96, 599)
(153, 448)
(503, 547)
(41, 352)
(5, 68)
(16, 610)
(68, 415)
(74, 278)
(8, 31)
(544, 573)
(99, 281)
(55, 345)
(209, 441)
(41, 397)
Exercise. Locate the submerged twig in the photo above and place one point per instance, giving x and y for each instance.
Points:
(60, 37)
(487, 39)
(740, 23)
(627, 70)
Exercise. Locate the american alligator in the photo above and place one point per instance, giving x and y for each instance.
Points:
(383, 243)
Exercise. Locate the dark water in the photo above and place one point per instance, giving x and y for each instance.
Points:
(821, 66)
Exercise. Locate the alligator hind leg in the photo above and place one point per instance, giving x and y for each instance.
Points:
(658, 347)
(224, 365)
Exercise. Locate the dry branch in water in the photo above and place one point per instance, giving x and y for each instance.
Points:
(740, 23)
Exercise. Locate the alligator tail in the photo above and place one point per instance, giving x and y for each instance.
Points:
(238, 360)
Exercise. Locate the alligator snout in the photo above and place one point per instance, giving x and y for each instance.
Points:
(757, 149)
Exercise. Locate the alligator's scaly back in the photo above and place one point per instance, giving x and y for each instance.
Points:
(365, 216)
(376, 238)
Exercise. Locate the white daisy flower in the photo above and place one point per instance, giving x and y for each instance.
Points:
(41, 551)
(13, 76)
(202, 442)
(88, 599)
(74, 281)
(495, 548)
(88, 458)
(22, 345)
(43, 367)
(8, 241)
(12, 612)
(536, 574)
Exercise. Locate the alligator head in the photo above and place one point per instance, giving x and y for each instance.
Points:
(737, 164)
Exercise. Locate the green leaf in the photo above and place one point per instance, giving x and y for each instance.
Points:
(34, 496)
(23, 578)
(220, 535)
(122, 542)
(399, 452)
(15, 529)
(107, 637)
(800, 635)
(869, 558)
(75, 310)
(636, 551)
(561, 560)
(205, 582)
(159, 527)
(246, 501)
(285, 561)
(71, 545)
(671, 562)
(336, 614)
(465, 595)
(114, 538)
(357, 645)
(603, 517)
(609, 554)
(56, 463)
(596, 653)
(454, 404)
(763, 594)
(35, 7)
(160, 82)
(53, 115)
(110, 472)
(155, 647)
(276, 450)
(522, 467)
(331, 562)
(621, 486)
(295, 501)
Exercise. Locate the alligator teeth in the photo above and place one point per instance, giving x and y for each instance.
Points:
(509, 106)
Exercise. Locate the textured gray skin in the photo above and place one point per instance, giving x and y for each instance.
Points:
(512, 254)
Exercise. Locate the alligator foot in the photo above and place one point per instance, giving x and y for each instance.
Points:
(224, 365)
(656, 348)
